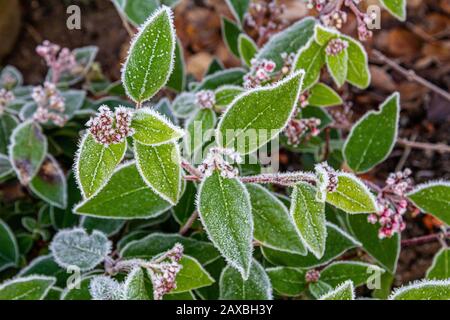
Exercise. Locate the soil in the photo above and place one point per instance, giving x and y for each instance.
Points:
(421, 44)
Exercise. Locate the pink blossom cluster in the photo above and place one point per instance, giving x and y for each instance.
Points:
(336, 46)
(50, 104)
(363, 21)
(109, 127)
(330, 176)
(205, 99)
(215, 160)
(297, 128)
(392, 204)
(266, 18)
(312, 276)
(164, 271)
(303, 100)
(335, 19)
(57, 59)
(6, 97)
(260, 72)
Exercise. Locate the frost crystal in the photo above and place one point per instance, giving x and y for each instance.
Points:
(50, 104)
(105, 288)
(336, 46)
(206, 99)
(392, 204)
(260, 72)
(57, 59)
(5, 98)
(329, 179)
(111, 128)
(215, 160)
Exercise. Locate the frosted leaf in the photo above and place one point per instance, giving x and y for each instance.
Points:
(345, 291)
(105, 288)
(423, 290)
(440, 269)
(26, 288)
(74, 247)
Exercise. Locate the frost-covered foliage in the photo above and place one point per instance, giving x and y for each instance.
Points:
(170, 194)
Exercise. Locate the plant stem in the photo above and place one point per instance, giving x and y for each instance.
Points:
(410, 74)
(425, 239)
(440, 147)
(124, 20)
(284, 179)
(191, 169)
(189, 223)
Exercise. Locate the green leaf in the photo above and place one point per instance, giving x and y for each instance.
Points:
(152, 128)
(137, 11)
(60, 218)
(95, 164)
(321, 95)
(373, 137)
(46, 266)
(26, 288)
(80, 292)
(385, 251)
(49, 183)
(440, 269)
(358, 73)
(155, 243)
(188, 295)
(9, 250)
(150, 59)
(6, 170)
(343, 292)
(337, 243)
(230, 35)
(274, 227)
(226, 94)
(338, 66)
(358, 272)
(125, 196)
(232, 76)
(423, 290)
(184, 105)
(290, 40)
(433, 198)
(247, 49)
(311, 59)
(186, 206)
(214, 66)
(239, 8)
(138, 285)
(287, 281)
(177, 80)
(74, 247)
(200, 129)
(191, 276)
(10, 78)
(309, 217)
(319, 288)
(27, 150)
(7, 125)
(322, 35)
(396, 7)
(256, 287)
(225, 210)
(351, 195)
(259, 115)
(160, 168)
(109, 227)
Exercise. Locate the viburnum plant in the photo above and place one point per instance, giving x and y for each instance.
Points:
(168, 197)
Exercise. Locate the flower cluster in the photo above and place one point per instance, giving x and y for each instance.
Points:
(50, 104)
(260, 72)
(111, 128)
(6, 97)
(312, 276)
(296, 129)
(215, 160)
(264, 18)
(336, 46)
(57, 59)
(329, 176)
(206, 99)
(303, 99)
(392, 204)
(164, 271)
(288, 62)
